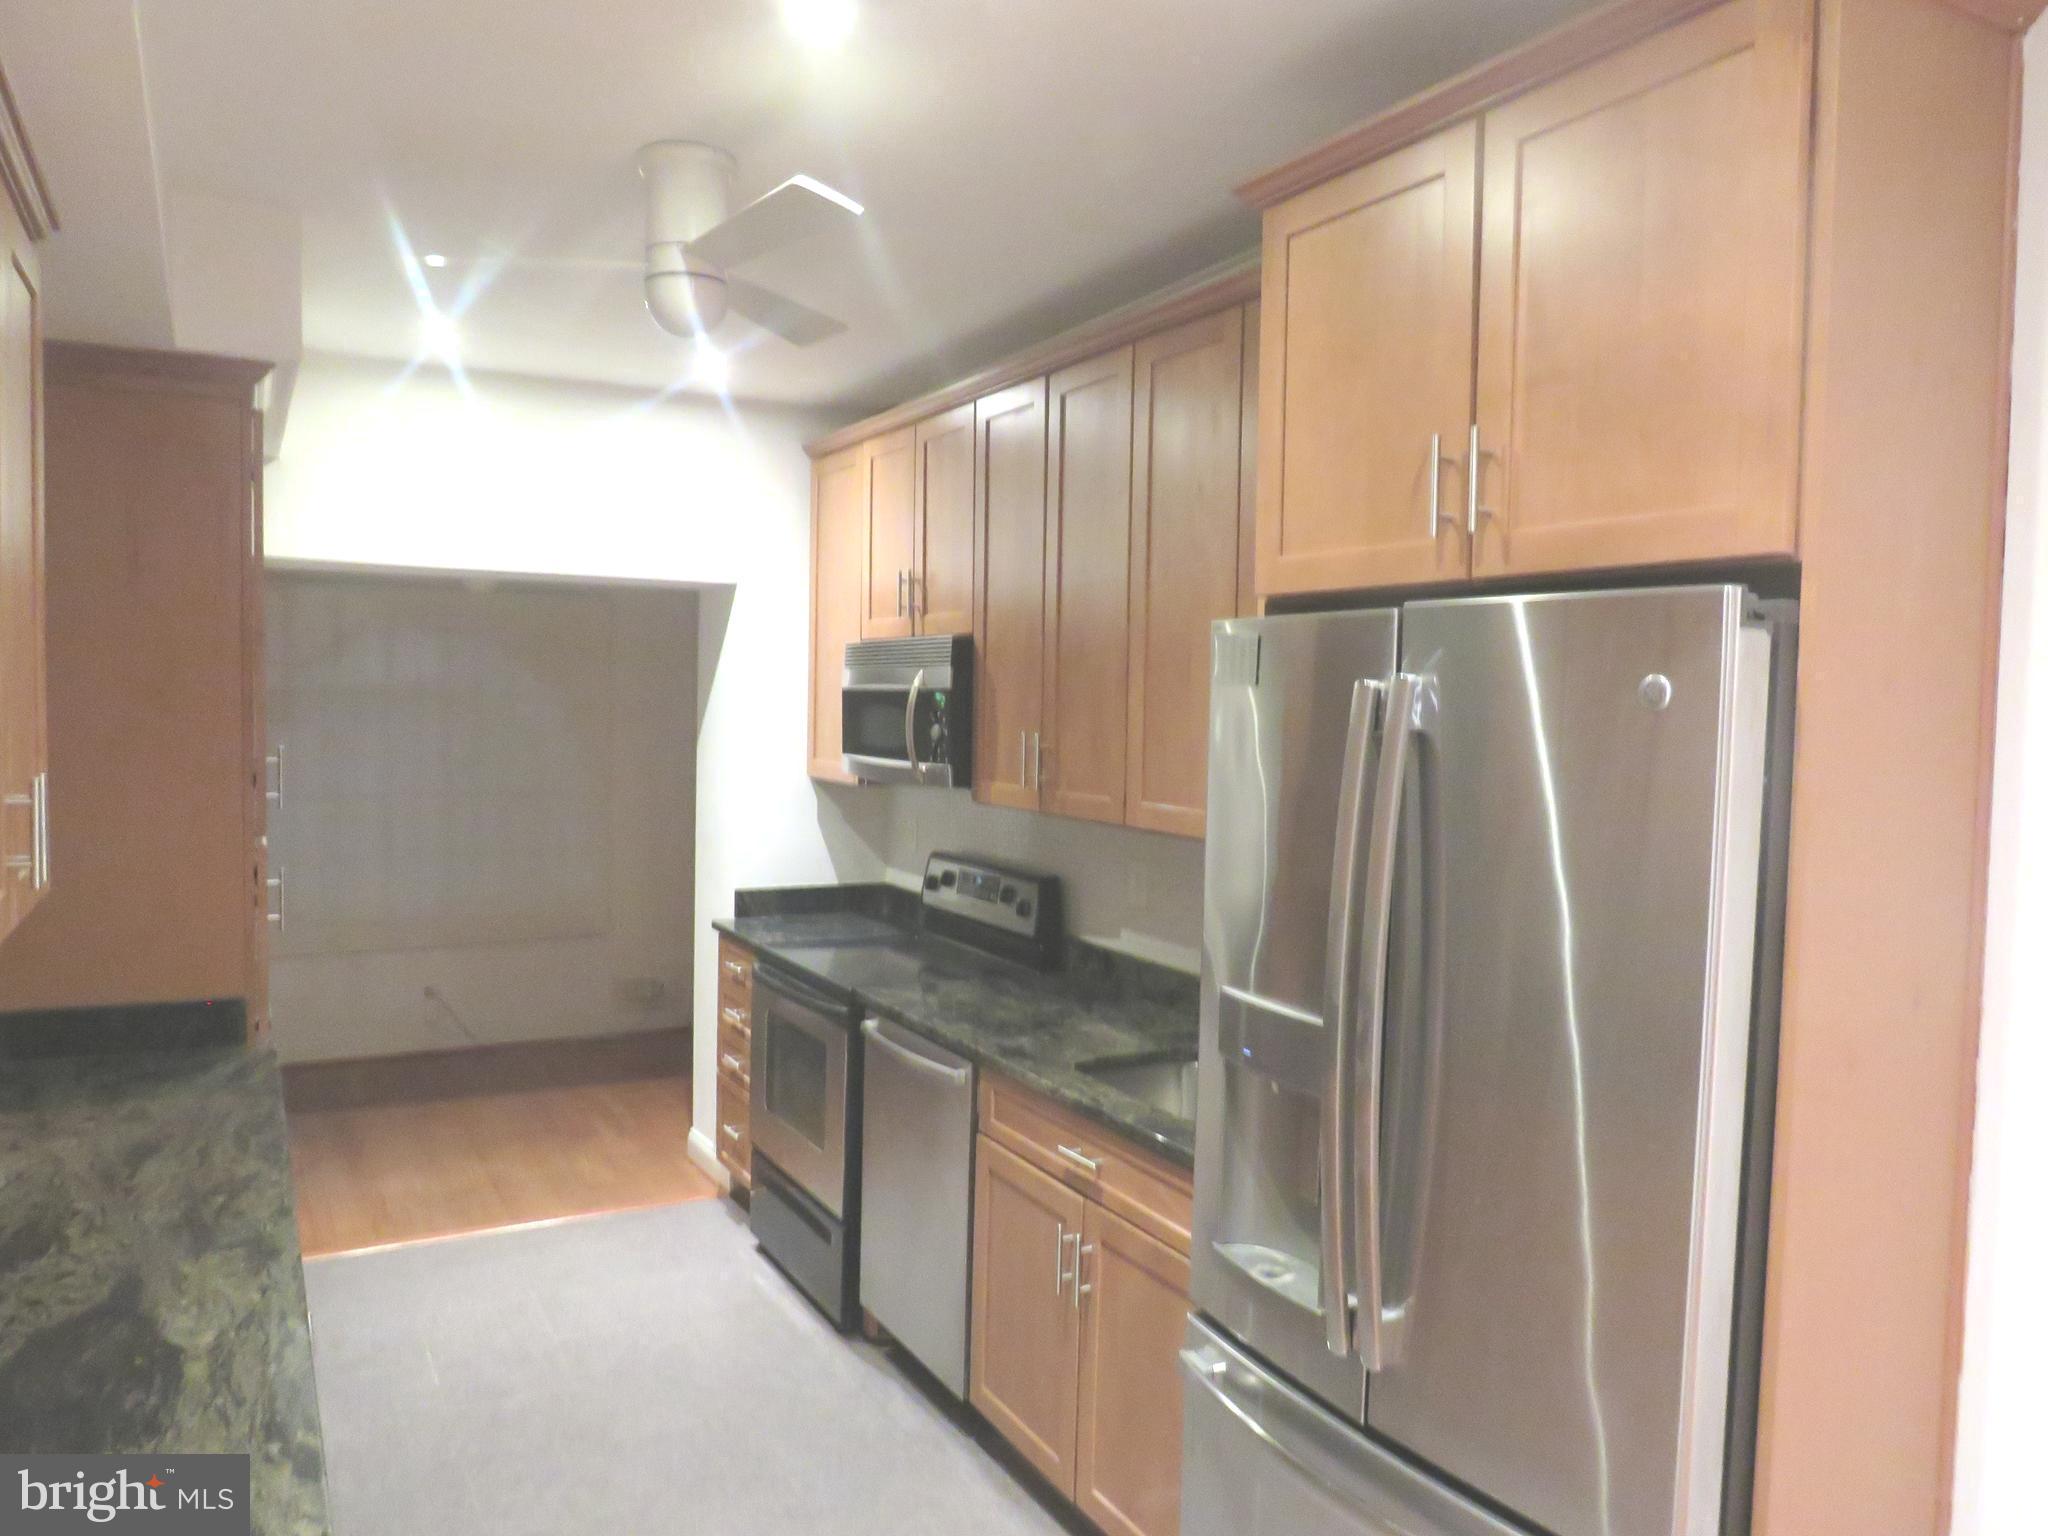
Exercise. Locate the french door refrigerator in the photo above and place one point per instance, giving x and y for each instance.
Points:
(1491, 885)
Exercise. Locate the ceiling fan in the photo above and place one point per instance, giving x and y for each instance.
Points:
(693, 240)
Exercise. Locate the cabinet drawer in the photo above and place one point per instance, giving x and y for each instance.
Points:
(736, 1014)
(735, 1144)
(735, 975)
(1145, 1190)
(735, 1054)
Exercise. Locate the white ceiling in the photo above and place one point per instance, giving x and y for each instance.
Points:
(1025, 163)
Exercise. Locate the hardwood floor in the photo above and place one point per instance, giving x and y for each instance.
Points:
(403, 1149)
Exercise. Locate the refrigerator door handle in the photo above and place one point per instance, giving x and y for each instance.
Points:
(1411, 704)
(1340, 1003)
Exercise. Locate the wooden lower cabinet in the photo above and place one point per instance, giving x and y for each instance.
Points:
(735, 1138)
(735, 1061)
(1025, 1357)
(1134, 1304)
(1077, 1327)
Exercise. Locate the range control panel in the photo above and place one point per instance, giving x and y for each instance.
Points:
(1022, 904)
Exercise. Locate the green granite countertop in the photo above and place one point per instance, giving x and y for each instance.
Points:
(1036, 1027)
(151, 1298)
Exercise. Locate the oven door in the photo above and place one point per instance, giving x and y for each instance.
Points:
(802, 1039)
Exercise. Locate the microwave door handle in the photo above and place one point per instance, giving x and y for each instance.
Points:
(1407, 701)
(910, 725)
(1339, 1003)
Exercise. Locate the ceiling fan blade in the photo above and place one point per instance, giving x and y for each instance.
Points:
(797, 210)
(782, 315)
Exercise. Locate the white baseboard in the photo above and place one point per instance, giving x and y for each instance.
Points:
(704, 1153)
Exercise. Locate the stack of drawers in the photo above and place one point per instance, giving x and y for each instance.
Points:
(735, 1059)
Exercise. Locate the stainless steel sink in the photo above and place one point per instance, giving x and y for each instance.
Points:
(1167, 1085)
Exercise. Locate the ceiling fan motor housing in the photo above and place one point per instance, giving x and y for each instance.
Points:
(689, 191)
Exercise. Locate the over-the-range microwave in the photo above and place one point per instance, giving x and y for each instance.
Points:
(907, 710)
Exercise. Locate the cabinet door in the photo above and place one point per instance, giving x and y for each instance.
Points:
(943, 562)
(255, 738)
(1135, 1310)
(24, 725)
(1248, 471)
(1025, 1350)
(1087, 579)
(1009, 637)
(1366, 372)
(839, 515)
(1187, 396)
(1642, 269)
(889, 478)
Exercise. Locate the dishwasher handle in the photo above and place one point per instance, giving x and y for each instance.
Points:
(910, 1056)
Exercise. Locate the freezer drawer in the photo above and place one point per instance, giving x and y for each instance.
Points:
(917, 1196)
(1261, 1455)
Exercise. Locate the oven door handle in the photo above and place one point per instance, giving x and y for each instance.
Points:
(806, 994)
(910, 724)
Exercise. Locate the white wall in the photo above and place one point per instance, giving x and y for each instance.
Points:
(486, 833)
(381, 470)
(2003, 1415)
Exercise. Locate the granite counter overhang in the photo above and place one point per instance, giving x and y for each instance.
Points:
(1033, 1027)
(151, 1296)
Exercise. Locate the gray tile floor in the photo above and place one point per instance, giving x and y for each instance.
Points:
(640, 1373)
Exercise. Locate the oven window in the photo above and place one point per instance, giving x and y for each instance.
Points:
(873, 724)
(794, 1089)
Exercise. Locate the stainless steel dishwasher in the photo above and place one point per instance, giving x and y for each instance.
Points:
(917, 1195)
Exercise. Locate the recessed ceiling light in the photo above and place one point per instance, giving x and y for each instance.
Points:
(438, 337)
(435, 259)
(819, 23)
(710, 367)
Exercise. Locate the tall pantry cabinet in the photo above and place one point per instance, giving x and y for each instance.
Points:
(27, 868)
(157, 762)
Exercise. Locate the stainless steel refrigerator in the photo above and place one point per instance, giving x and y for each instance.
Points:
(1489, 964)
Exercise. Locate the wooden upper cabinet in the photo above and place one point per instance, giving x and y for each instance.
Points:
(1087, 582)
(1640, 301)
(1009, 637)
(1366, 372)
(889, 481)
(1025, 1338)
(1128, 1448)
(1247, 474)
(26, 873)
(1186, 508)
(942, 566)
(839, 530)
